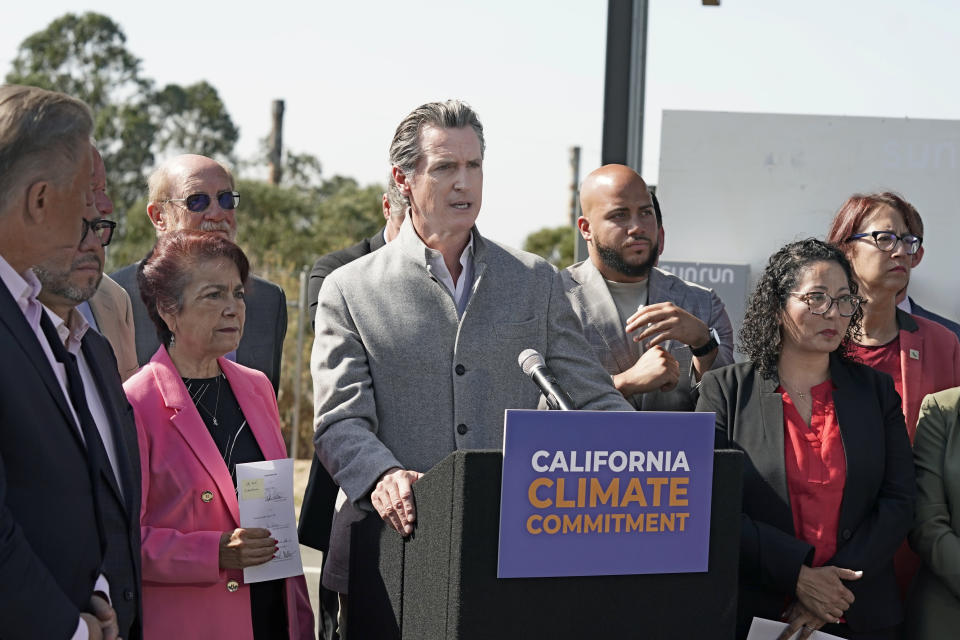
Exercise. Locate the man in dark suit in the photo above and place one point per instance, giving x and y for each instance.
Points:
(196, 192)
(119, 503)
(316, 514)
(53, 542)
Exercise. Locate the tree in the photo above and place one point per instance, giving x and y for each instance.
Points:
(86, 56)
(194, 120)
(554, 244)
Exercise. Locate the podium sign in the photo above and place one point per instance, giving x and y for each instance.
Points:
(605, 493)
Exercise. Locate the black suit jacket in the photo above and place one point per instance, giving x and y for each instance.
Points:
(878, 497)
(261, 345)
(119, 510)
(316, 513)
(50, 540)
(917, 310)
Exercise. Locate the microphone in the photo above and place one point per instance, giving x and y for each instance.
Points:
(533, 366)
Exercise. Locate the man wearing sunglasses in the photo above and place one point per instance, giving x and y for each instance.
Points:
(198, 193)
(64, 289)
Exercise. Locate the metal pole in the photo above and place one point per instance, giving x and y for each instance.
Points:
(574, 183)
(638, 82)
(298, 369)
(276, 143)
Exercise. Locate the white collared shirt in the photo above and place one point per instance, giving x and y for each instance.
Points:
(461, 289)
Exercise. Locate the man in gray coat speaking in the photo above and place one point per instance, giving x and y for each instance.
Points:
(416, 345)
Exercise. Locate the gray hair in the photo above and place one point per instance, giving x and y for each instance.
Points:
(398, 201)
(405, 151)
(41, 133)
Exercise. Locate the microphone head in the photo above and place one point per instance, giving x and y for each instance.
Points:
(529, 360)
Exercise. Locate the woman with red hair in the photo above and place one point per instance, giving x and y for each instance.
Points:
(880, 235)
(198, 415)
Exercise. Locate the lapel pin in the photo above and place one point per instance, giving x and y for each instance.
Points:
(206, 496)
(914, 354)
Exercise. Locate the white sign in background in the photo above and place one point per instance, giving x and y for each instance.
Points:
(735, 187)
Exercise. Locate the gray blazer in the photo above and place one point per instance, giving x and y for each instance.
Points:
(591, 300)
(266, 324)
(401, 381)
(933, 607)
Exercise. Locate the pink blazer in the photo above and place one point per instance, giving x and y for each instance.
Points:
(185, 592)
(929, 362)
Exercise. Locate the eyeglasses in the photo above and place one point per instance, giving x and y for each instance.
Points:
(199, 202)
(819, 303)
(887, 240)
(101, 228)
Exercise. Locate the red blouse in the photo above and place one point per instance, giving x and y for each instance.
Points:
(885, 358)
(816, 470)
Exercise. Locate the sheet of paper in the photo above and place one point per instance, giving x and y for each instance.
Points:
(265, 493)
(763, 629)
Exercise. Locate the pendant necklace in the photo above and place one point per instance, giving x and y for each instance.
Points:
(216, 407)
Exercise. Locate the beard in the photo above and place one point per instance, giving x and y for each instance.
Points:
(612, 259)
(58, 282)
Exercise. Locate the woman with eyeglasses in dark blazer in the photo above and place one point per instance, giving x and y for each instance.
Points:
(828, 483)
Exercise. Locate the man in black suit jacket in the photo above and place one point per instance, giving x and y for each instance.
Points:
(316, 514)
(194, 192)
(119, 490)
(52, 539)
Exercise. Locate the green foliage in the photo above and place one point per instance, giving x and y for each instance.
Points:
(86, 56)
(194, 120)
(284, 230)
(555, 244)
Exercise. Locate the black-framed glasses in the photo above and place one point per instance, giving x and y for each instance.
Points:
(887, 240)
(199, 202)
(819, 303)
(101, 227)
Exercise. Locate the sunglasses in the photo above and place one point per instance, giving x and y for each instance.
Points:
(101, 228)
(200, 202)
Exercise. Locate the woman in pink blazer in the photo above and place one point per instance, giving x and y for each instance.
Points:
(198, 415)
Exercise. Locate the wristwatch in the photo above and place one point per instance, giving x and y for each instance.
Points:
(710, 345)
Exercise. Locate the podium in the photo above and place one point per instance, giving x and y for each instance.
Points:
(442, 581)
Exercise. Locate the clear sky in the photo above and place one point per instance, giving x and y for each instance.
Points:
(533, 69)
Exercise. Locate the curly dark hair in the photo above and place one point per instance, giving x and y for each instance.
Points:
(760, 335)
